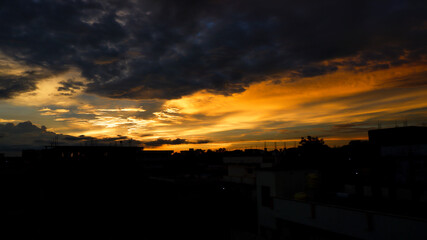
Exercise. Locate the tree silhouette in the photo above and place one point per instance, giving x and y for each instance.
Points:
(221, 150)
(313, 152)
(311, 141)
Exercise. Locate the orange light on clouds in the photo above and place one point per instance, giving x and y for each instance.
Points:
(261, 113)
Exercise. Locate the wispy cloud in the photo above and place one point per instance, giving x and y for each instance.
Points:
(54, 112)
(8, 120)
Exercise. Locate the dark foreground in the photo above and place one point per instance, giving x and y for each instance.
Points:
(119, 203)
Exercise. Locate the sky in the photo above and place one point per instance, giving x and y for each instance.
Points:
(208, 73)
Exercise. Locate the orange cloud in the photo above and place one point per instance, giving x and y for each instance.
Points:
(264, 112)
(344, 96)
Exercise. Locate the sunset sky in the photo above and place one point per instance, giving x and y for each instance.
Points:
(209, 74)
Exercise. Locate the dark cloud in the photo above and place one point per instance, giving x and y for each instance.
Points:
(11, 85)
(350, 128)
(70, 86)
(160, 142)
(22, 136)
(411, 80)
(146, 135)
(167, 49)
(25, 135)
(178, 141)
(79, 138)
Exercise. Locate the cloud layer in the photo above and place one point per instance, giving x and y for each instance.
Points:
(169, 49)
(25, 135)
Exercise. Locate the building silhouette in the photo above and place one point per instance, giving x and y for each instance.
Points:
(373, 189)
